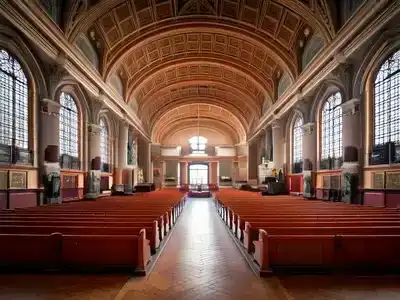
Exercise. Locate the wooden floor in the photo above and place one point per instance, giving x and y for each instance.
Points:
(200, 261)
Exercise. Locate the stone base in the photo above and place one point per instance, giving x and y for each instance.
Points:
(308, 189)
(51, 183)
(93, 184)
(350, 182)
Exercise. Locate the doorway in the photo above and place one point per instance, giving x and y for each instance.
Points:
(198, 173)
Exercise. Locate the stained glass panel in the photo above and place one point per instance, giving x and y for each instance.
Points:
(104, 151)
(331, 131)
(13, 102)
(298, 140)
(69, 124)
(387, 102)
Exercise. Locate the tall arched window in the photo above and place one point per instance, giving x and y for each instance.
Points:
(298, 140)
(69, 124)
(13, 102)
(387, 102)
(104, 149)
(198, 144)
(331, 129)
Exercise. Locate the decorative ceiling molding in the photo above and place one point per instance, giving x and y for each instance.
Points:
(160, 134)
(199, 113)
(211, 89)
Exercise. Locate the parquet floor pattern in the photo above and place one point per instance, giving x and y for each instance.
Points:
(200, 261)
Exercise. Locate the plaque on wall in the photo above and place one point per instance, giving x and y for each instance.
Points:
(3, 180)
(378, 180)
(326, 182)
(393, 180)
(335, 182)
(69, 182)
(18, 180)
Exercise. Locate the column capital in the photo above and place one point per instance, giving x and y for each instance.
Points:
(275, 123)
(93, 128)
(308, 128)
(350, 107)
(49, 107)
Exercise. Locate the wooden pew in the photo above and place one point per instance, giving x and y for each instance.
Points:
(327, 252)
(77, 252)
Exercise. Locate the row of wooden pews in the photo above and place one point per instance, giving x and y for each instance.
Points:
(285, 233)
(112, 233)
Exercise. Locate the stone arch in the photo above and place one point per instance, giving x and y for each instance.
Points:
(11, 41)
(116, 82)
(326, 88)
(86, 47)
(267, 104)
(311, 49)
(293, 117)
(382, 47)
(71, 87)
(283, 84)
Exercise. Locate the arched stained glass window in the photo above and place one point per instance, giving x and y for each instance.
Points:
(298, 140)
(387, 102)
(104, 143)
(331, 129)
(13, 102)
(198, 144)
(69, 124)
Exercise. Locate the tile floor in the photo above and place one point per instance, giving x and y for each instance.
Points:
(200, 261)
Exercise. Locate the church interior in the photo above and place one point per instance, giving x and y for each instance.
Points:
(199, 149)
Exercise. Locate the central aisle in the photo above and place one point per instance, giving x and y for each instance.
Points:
(200, 261)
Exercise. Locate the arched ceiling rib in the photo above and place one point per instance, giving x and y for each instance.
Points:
(225, 53)
(223, 93)
(161, 133)
(201, 114)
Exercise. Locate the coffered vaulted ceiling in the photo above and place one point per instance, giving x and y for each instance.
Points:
(174, 54)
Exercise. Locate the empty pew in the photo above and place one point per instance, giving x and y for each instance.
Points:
(76, 252)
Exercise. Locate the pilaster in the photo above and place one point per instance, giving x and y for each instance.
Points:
(50, 149)
(93, 178)
(351, 149)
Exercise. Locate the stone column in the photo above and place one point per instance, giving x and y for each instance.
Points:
(184, 172)
(122, 142)
(50, 150)
(252, 160)
(309, 158)
(93, 178)
(277, 146)
(351, 149)
(268, 144)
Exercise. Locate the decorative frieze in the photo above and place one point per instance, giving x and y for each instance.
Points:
(18, 180)
(378, 180)
(393, 180)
